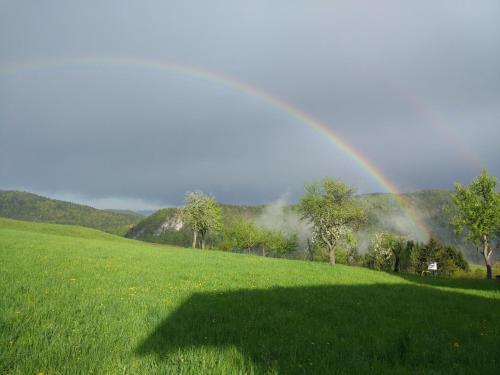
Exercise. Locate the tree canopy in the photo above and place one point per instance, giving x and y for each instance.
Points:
(330, 207)
(202, 214)
(385, 252)
(478, 213)
(245, 235)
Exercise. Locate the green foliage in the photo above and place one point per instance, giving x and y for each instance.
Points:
(478, 208)
(244, 235)
(385, 251)
(346, 251)
(389, 252)
(409, 256)
(232, 212)
(78, 301)
(349, 256)
(31, 207)
(276, 242)
(449, 259)
(332, 210)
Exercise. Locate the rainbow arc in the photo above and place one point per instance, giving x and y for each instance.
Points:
(422, 231)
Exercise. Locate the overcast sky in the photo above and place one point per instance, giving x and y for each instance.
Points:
(414, 86)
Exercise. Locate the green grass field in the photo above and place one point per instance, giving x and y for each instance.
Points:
(79, 301)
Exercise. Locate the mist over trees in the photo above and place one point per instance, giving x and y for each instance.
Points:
(331, 224)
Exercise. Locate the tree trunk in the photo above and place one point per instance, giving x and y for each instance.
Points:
(309, 249)
(489, 274)
(332, 254)
(331, 248)
(195, 235)
(397, 264)
(488, 256)
(203, 241)
(263, 251)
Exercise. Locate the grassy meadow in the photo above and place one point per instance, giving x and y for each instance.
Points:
(79, 301)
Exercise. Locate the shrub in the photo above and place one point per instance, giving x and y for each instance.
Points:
(448, 258)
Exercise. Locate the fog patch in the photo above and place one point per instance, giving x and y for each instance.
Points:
(363, 239)
(396, 222)
(280, 216)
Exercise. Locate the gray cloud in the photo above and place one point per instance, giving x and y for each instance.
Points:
(415, 87)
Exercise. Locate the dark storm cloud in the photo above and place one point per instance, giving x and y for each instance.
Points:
(414, 87)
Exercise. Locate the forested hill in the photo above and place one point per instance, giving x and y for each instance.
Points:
(433, 207)
(165, 225)
(32, 207)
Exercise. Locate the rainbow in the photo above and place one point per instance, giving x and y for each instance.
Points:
(422, 230)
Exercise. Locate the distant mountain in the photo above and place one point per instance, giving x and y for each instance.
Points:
(32, 207)
(433, 208)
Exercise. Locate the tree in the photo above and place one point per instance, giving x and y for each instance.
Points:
(202, 214)
(346, 251)
(398, 246)
(408, 257)
(448, 258)
(243, 234)
(385, 252)
(478, 213)
(276, 242)
(390, 252)
(332, 211)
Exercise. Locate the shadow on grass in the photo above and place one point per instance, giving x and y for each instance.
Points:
(339, 329)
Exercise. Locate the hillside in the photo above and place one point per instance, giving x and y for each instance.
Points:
(76, 300)
(32, 207)
(433, 207)
(125, 212)
(166, 226)
(383, 212)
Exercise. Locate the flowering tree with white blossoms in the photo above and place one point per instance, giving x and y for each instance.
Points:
(333, 212)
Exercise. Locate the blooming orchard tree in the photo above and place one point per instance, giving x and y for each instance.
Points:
(202, 214)
(330, 207)
(385, 252)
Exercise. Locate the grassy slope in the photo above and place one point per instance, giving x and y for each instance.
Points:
(31, 207)
(75, 300)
